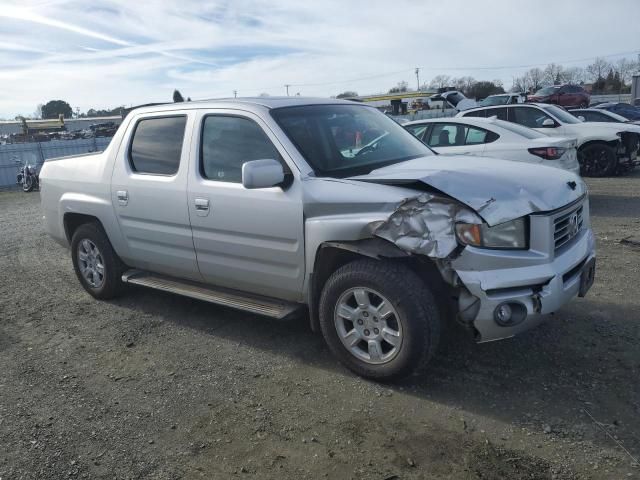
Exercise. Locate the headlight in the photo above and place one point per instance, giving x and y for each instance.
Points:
(511, 234)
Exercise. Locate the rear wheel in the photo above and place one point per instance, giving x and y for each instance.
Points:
(379, 319)
(27, 184)
(597, 160)
(96, 264)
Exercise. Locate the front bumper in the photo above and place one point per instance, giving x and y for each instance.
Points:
(542, 288)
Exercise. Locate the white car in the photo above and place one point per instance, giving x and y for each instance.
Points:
(603, 148)
(503, 99)
(489, 137)
(600, 115)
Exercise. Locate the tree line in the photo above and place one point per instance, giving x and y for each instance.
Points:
(604, 77)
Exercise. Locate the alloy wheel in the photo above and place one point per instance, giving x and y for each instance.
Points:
(368, 325)
(91, 263)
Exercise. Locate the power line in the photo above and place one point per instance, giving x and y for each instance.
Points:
(503, 67)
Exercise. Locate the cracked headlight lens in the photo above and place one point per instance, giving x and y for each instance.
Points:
(508, 235)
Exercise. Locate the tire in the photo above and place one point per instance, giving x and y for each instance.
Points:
(597, 160)
(107, 267)
(27, 184)
(415, 317)
(584, 105)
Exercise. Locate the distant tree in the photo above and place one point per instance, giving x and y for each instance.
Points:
(462, 84)
(598, 69)
(347, 94)
(535, 79)
(626, 68)
(574, 75)
(612, 82)
(264, 94)
(401, 87)
(188, 99)
(440, 81)
(55, 108)
(483, 89)
(177, 96)
(520, 84)
(38, 112)
(554, 74)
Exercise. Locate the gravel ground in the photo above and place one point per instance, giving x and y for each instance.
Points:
(158, 386)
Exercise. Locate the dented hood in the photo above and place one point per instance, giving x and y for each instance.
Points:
(498, 190)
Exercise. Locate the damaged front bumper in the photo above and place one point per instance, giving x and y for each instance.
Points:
(531, 291)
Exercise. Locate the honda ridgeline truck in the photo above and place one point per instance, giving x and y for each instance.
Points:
(326, 210)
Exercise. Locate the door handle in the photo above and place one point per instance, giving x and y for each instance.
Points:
(123, 197)
(202, 206)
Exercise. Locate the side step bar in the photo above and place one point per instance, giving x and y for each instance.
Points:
(249, 303)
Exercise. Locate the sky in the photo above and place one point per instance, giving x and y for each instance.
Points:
(127, 52)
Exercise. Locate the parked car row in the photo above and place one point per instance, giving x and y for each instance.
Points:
(604, 148)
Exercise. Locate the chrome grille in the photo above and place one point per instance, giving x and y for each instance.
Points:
(567, 226)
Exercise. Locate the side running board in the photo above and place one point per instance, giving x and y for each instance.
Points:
(249, 303)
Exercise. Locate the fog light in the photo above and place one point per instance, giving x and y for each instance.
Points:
(503, 314)
(509, 314)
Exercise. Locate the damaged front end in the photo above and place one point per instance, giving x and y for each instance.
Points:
(425, 225)
(498, 291)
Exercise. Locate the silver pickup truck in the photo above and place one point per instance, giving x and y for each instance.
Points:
(326, 210)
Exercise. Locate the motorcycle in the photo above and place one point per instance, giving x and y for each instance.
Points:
(27, 176)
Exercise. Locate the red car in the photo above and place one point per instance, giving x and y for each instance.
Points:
(563, 95)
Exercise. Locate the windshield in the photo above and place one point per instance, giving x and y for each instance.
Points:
(560, 114)
(494, 100)
(346, 140)
(546, 91)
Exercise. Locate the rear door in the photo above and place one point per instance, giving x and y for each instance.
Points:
(248, 240)
(149, 194)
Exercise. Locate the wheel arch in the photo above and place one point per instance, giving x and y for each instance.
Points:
(588, 143)
(332, 255)
(72, 220)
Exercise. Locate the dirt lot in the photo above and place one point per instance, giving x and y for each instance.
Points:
(158, 386)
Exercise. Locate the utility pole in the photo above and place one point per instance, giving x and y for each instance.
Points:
(235, 94)
(287, 87)
(418, 78)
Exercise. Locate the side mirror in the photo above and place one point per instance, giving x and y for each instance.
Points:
(548, 123)
(262, 174)
(581, 118)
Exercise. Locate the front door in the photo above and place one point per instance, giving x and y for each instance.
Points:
(248, 240)
(149, 194)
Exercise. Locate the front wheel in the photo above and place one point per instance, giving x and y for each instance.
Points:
(379, 319)
(96, 264)
(597, 160)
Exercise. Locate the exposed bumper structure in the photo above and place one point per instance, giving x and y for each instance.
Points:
(535, 290)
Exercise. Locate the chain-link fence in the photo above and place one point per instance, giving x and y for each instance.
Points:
(35, 153)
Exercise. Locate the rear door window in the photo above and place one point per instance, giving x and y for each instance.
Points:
(156, 145)
(446, 135)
